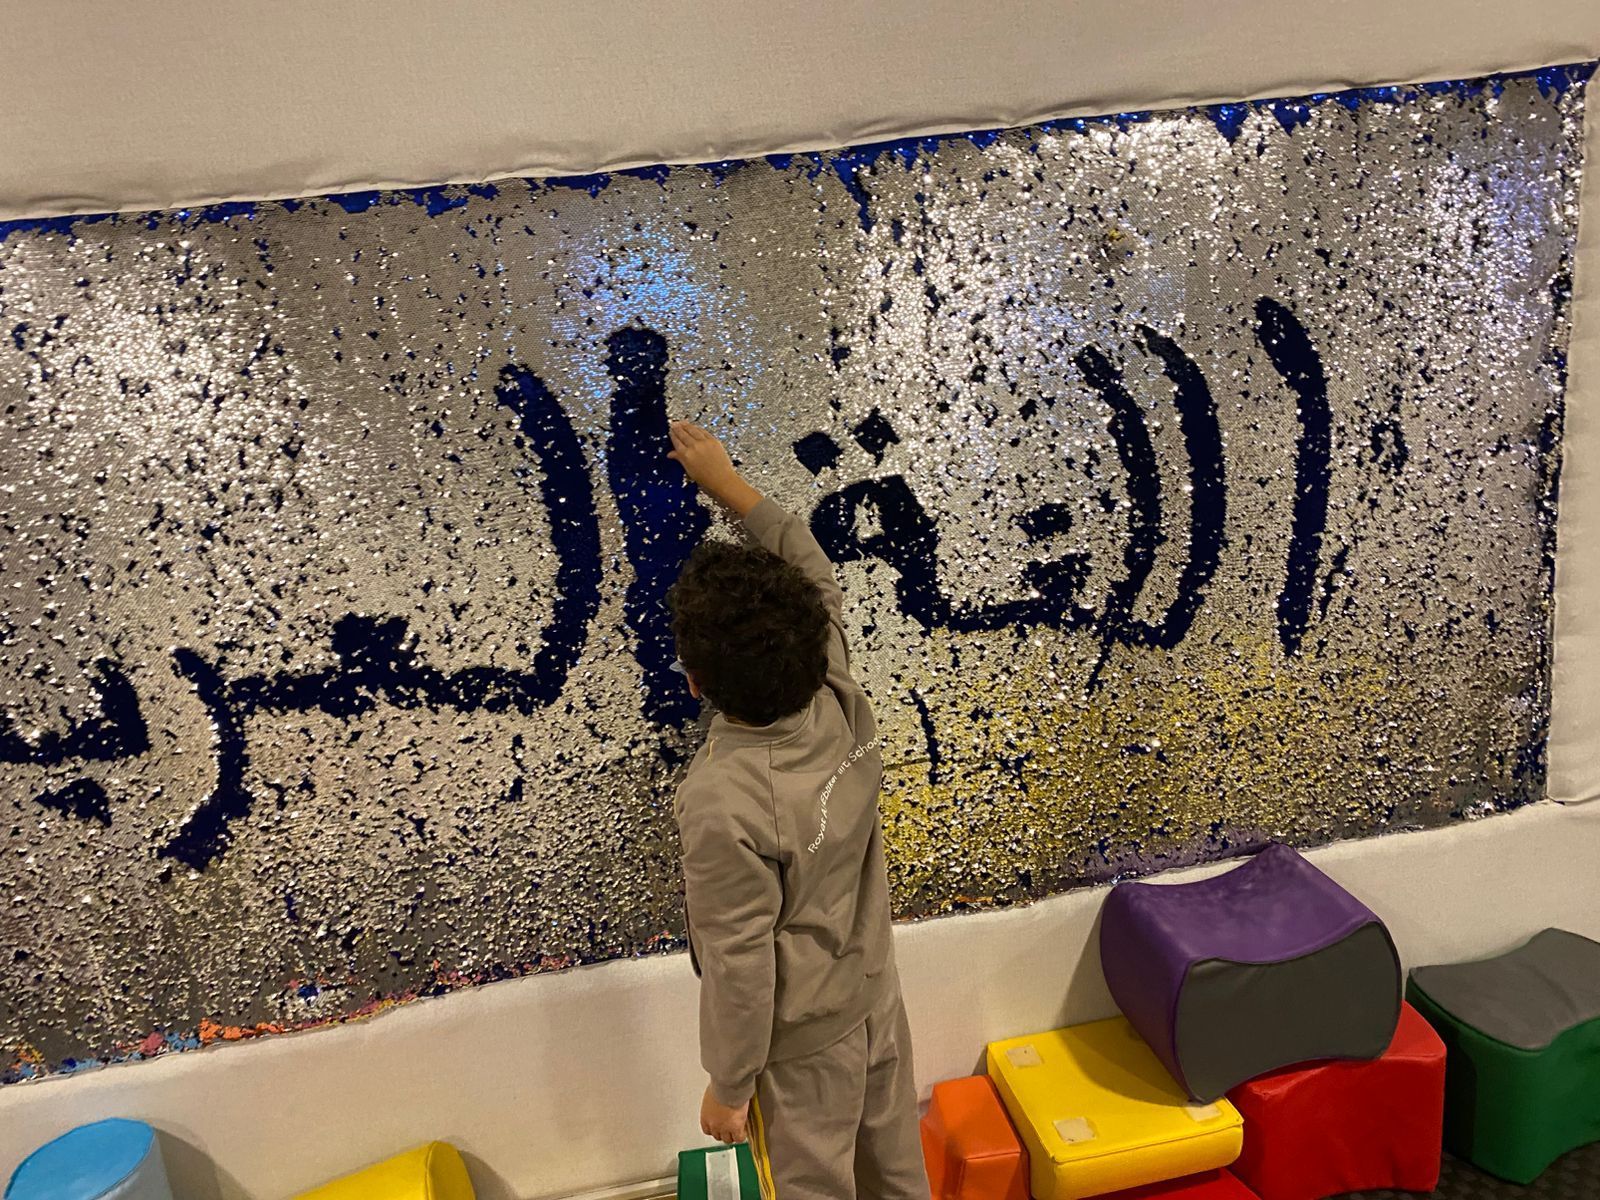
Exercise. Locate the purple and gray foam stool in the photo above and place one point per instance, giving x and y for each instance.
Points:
(108, 1160)
(1266, 966)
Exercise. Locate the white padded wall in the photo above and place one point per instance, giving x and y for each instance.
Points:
(558, 1083)
(168, 103)
(1575, 707)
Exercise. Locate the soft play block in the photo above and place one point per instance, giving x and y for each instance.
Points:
(1098, 1112)
(1522, 1033)
(718, 1173)
(972, 1151)
(431, 1172)
(107, 1160)
(1341, 1127)
(1213, 1185)
(1266, 966)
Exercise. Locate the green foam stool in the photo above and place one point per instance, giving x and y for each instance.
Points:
(1522, 1044)
(718, 1173)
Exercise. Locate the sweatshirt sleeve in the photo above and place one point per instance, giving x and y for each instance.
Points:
(790, 538)
(734, 894)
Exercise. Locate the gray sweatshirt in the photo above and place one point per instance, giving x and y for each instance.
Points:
(783, 867)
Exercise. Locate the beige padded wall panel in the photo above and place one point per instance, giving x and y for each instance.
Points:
(167, 103)
(558, 1083)
(1575, 705)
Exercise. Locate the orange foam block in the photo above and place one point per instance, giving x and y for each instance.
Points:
(972, 1151)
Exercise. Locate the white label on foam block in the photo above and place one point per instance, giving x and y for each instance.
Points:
(1024, 1056)
(1203, 1112)
(722, 1175)
(1074, 1130)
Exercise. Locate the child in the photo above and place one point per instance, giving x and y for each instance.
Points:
(802, 1029)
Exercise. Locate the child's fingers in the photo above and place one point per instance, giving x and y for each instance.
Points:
(686, 435)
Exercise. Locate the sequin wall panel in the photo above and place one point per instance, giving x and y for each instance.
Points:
(1191, 475)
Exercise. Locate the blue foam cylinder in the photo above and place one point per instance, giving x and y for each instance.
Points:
(107, 1160)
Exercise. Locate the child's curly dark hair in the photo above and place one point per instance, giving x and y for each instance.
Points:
(752, 629)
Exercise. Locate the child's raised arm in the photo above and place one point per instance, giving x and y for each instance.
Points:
(706, 461)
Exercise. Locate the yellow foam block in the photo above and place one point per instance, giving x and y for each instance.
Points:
(1099, 1113)
(431, 1172)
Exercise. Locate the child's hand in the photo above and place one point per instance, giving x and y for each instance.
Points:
(727, 1125)
(705, 461)
(702, 457)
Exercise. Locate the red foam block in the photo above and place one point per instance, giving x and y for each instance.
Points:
(1336, 1127)
(971, 1148)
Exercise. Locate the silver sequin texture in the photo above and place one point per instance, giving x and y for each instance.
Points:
(241, 451)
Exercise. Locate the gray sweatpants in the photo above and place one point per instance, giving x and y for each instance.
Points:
(841, 1123)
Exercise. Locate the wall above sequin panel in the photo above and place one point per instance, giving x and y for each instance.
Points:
(1192, 478)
